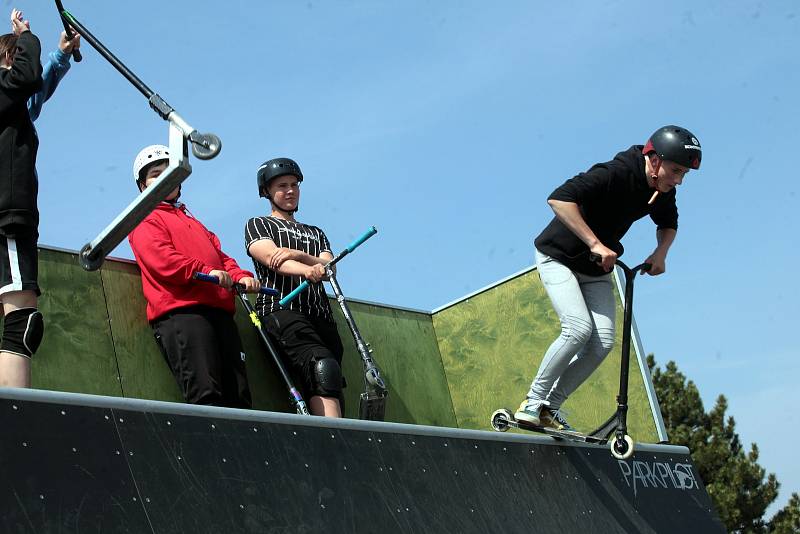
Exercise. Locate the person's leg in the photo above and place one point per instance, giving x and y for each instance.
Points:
(330, 406)
(15, 365)
(324, 406)
(309, 360)
(598, 294)
(235, 388)
(23, 326)
(191, 348)
(564, 291)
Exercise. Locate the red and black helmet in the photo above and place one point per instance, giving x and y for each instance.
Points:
(673, 143)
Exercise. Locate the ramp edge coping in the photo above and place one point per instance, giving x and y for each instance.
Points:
(163, 407)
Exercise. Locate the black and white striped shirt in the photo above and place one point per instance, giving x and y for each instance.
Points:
(294, 235)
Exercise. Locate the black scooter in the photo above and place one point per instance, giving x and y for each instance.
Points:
(621, 444)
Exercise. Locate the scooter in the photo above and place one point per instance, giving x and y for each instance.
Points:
(372, 405)
(621, 444)
(204, 146)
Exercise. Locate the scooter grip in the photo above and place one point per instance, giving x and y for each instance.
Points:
(291, 296)
(269, 291)
(366, 235)
(206, 278)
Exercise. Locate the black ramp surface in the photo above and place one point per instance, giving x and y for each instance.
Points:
(79, 463)
(62, 469)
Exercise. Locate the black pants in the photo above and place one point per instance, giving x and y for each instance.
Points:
(204, 352)
(304, 340)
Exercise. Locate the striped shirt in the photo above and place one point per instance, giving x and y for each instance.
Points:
(287, 234)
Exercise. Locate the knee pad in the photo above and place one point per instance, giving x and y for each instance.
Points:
(327, 378)
(22, 331)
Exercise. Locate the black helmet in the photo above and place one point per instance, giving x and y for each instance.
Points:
(677, 144)
(273, 168)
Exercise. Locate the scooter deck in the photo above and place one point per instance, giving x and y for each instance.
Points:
(570, 435)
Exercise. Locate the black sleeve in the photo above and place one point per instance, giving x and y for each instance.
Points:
(587, 185)
(24, 77)
(665, 212)
(324, 244)
(257, 229)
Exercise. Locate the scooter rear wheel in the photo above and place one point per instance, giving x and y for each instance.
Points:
(500, 419)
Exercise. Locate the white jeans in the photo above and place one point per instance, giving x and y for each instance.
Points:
(586, 308)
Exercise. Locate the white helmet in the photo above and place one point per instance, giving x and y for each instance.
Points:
(148, 155)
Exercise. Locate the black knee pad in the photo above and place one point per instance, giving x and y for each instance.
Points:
(22, 331)
(327, 378)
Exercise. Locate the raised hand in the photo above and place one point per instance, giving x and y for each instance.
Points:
(68, 45)
(18, 24)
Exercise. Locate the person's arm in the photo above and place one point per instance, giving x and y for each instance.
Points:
(264, 251)
(54, 70)
(282, 254)
(23, 78)
(153, 248)
(570, 214)
(236, 273)
(567, 199)
(665, 215)
(658, 259)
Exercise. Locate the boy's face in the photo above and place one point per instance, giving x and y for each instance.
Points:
(670, 175)
(153, 174)
(285, 192)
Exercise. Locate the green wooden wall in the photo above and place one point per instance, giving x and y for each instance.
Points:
(451, 368)
(491, 346)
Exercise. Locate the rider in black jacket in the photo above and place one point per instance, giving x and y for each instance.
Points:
(20, 78)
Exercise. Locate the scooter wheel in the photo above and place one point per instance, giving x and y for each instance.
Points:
(205, 146)
(621, 449)
(500, 419)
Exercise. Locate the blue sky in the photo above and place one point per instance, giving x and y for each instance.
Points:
(446, 124)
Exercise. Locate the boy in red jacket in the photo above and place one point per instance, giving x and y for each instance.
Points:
(192, 321)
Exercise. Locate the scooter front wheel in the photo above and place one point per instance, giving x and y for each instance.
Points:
(621, 449)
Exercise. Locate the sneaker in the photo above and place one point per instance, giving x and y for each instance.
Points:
(554, 419)
(529, 412)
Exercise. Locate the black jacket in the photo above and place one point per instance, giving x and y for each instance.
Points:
(18, 142)
(611, 197)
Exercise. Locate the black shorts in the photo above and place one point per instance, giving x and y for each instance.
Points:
(303, 340)
(19, 260)
(204, 352)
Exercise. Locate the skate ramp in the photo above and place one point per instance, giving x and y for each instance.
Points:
(82, 463)
(451, 367)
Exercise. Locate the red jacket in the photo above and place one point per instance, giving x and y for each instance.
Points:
(170, 246)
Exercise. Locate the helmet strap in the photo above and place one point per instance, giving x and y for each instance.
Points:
(655, 167)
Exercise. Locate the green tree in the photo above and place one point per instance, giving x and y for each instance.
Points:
(735, 481)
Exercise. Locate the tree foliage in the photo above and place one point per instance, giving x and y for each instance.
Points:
(735, 481)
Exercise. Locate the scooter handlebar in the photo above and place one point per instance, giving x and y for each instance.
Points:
(76, 53)
(643, 267)
(214, 280)
(350, 248)
(291, 296)
(366, 235)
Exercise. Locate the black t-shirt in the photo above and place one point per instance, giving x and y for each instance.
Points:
(298, 236)
(611, 197)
